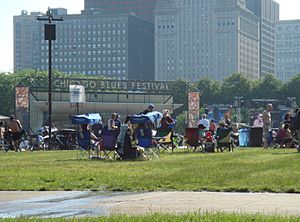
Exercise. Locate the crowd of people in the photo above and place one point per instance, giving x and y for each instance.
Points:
(124, 131)
(207, 128)
(287, 135)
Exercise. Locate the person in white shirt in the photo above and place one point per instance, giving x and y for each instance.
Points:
(204, 122)
(258, 122)
(111, 122)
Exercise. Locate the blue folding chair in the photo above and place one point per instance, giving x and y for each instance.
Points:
(86, 148)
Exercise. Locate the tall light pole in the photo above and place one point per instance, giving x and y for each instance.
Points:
(50, 35)
(238, 104)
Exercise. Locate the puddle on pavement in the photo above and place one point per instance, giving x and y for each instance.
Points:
(65, 204)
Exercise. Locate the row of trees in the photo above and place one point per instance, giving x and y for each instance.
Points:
(211, 91)
(267, 87)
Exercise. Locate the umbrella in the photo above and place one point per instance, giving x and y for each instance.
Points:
(88, 118)
(153, 117)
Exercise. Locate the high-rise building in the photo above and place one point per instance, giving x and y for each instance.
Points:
(268, 13)
(213, 38)
(287, 49)
(142, 8)
(236, 40)
(119, 46)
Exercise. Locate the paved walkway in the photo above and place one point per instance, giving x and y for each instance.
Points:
(65, 204)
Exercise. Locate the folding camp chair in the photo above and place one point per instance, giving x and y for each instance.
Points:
(108, 144)
(145, 139)
(86, 149)
(224, 140)
(164, 139)
(192, 140)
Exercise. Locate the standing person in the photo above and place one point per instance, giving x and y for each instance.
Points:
(205, 122)
(118, 123)
(111, 122)
(267, 123)
(124, 141)
(112, 127)
(15, 128)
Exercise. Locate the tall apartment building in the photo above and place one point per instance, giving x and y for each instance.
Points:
(213, 38)
(236, 40)
(268, 13)
(287, 49)
(142, 8)
(119, 46)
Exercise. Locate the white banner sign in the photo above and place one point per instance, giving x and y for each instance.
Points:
(77, 94)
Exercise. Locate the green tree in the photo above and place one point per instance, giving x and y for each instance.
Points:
(267, 87)
(210, 90)
(8, 82)
(292, 88)
(235, 85)
(181, 122)
(180, 94)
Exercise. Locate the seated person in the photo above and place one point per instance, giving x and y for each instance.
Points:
(258, 121)
(212, 126)
(287, 118)
(222, 127)
(149, 109)
(97, 128)
(209, 137)
(94, 140)
(284, 137)
(227, 121)
(166, 120)
(201, 133)
(235, 134)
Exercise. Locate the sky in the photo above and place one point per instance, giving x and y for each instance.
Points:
(289, 9)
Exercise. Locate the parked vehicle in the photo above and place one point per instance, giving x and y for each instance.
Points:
(64, 139)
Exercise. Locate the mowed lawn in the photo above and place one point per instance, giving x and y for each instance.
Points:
(195, 217)
(244, 170)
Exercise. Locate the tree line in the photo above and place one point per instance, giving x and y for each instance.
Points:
(237, 85)
(212, 92)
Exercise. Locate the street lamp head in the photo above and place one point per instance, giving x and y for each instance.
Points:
(49, 13)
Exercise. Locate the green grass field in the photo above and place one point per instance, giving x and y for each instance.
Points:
(245, 170)
(193, 217)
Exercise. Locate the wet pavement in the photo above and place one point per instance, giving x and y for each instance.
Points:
(87, 203)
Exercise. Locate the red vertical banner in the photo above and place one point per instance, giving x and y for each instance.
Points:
(193, 112)
(22, 105)
(22, 97)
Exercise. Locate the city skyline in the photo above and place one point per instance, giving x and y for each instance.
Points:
(288, 10)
